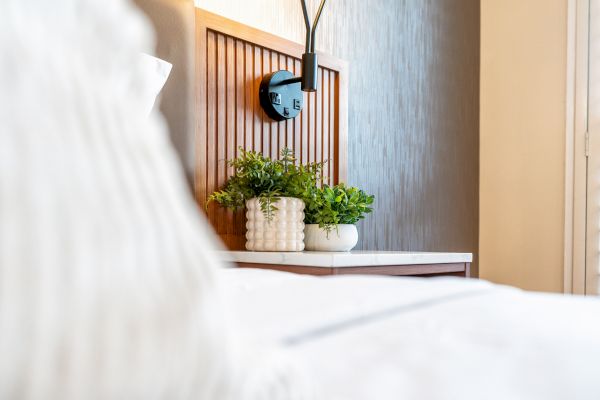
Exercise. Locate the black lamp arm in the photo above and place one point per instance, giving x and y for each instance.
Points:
(296, 79)
(314, 28)
(279, 93)
(310, 65)
(307, 23)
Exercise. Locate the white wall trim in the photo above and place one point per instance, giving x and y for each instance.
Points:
(575, 144)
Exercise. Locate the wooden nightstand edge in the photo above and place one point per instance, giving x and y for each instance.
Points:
(297, 269)
(460, 269)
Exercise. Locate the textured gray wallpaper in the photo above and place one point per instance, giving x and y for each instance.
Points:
(414, 118)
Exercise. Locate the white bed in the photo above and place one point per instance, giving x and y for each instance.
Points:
(108, 272)
(413, 338)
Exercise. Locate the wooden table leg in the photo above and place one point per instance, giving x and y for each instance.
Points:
(467, 270)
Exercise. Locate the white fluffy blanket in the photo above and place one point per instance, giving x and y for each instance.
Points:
(107, 284)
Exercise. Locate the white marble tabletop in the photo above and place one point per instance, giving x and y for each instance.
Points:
(345, 259)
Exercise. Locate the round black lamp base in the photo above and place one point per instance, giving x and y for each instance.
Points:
(280, 95)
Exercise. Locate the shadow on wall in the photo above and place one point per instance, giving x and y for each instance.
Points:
(174, 24)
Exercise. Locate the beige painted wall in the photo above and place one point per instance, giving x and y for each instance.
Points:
(522, 121)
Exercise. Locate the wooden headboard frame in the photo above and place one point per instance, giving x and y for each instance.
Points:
(231, 59)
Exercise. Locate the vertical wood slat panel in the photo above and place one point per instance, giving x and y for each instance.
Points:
(336, 152)
(289, 124)
(266, 122)
(200, 185)
(304, 128)
(318, 115)
(258, 113)
(211, 124)
(249, 96)
(240, 101)
(233, 70)
(324, 92)
(332, 139)
(274, 126)
(297, 146)
(221, 134)
(310, 128)
(240, 114)
(230, 120)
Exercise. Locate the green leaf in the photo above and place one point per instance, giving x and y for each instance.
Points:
(258, 176)
(333, 205)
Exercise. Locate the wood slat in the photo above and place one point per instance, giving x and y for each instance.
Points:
(240, 101)
(319, 117)
(332, 138)
(266, 121)
(211, 129)
(303, 117)
(240, 110)
(311, 126)
(258, 114)
(274, 126)
(230, 68)
(200, 185)
(221, 132)
(230, 121)
(289, 124)
(297, 122)
(249, 95)
(325, 123)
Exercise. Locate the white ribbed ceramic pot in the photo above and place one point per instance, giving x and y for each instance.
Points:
(344, 238)
(285, 232)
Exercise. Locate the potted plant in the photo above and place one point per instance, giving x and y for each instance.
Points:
(272, 192)
(330, 216)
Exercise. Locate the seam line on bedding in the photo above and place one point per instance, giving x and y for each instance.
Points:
(327, 330)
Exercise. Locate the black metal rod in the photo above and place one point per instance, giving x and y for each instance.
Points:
(307, 23)
(296, 79)
(314, 28)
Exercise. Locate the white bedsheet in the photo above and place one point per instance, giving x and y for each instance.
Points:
(409, 338)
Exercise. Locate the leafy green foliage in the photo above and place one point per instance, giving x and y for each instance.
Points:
(335, 205)
(258, 176)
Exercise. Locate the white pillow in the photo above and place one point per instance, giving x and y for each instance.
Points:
(156, 72)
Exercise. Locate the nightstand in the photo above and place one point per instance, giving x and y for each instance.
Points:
(397, 263)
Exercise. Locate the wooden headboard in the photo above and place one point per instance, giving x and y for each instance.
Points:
(231, 59)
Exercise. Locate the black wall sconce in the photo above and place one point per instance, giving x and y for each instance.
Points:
(280, 92)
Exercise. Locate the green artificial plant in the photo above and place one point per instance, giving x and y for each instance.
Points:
(333, 205)
(258, 176)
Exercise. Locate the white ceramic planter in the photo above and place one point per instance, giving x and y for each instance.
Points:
(344, 238)
(285, 232)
